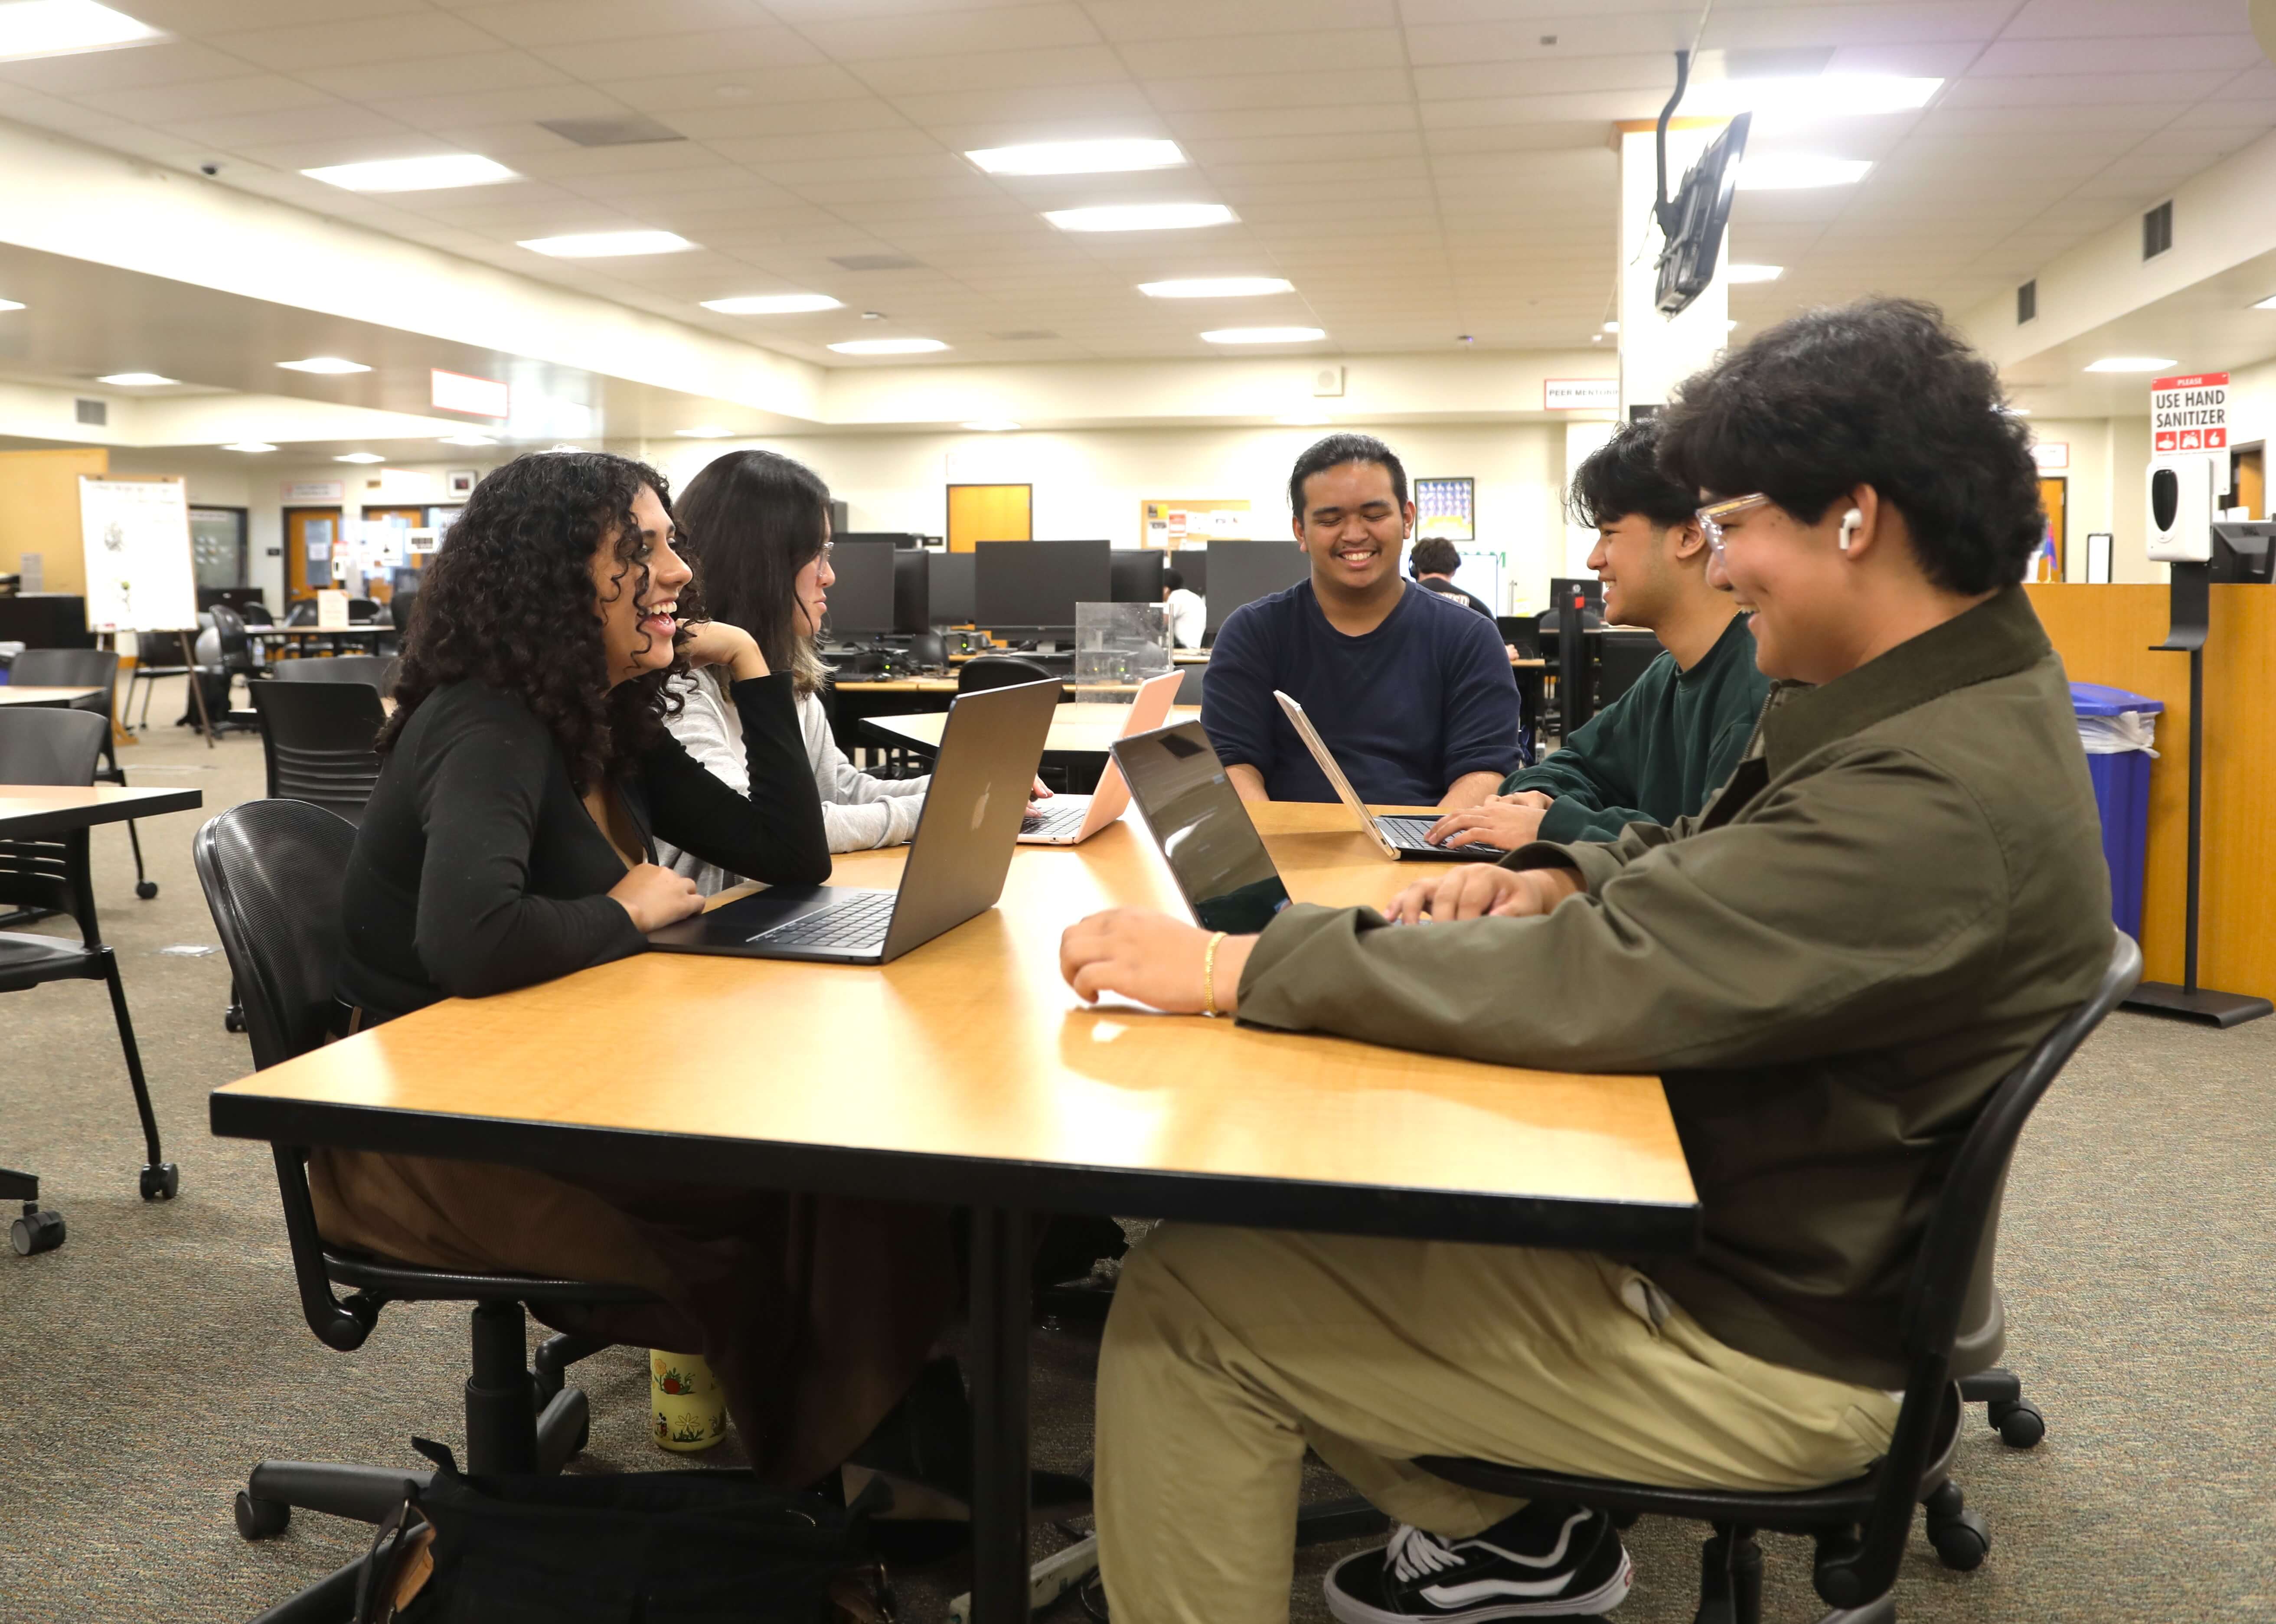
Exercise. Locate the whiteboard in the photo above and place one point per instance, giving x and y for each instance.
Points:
(136, 534)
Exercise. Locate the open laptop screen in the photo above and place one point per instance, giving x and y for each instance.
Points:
(1213, 850)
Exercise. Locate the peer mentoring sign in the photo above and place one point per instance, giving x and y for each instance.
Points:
(2189, 414)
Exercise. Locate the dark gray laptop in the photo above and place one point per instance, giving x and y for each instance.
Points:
(1196, 816)
(989, 753)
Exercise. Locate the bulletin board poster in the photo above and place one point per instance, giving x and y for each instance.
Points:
(1447, 508)
(1167, 526)
(136, 536)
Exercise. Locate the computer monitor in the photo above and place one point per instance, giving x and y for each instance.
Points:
(902, 539)
(1563, 589)
(948, 589)
(1136, 575)
(861, 600)
(1193, 564)
(911, 576)
(1038, 583)
(1242, 572)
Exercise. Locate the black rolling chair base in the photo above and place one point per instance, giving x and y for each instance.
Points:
(2013, 1417)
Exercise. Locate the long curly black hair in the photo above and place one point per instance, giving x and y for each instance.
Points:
(509, 600)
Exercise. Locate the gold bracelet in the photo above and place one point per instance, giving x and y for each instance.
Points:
(1208, 975)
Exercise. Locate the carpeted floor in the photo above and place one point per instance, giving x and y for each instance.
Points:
(148, 1362)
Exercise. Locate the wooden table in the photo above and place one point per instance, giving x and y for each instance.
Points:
(1076, 729)
(992, 1086)
(61, 699)
(362, 628)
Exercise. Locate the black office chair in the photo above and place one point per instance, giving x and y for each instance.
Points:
(302, 613)
(60, 747)
(997, 670)
(256, 614)
(1862, 1525)
(88, 668)
(929, 651)
(236, 660)
(1191, 680)
(317, 736)
(376, 671)
(400, 607)
(363, 611)
(271, 870)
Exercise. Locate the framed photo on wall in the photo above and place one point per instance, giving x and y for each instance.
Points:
(460, 481)
(1447, 508)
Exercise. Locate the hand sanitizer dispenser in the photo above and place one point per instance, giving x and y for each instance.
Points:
(2180, 498)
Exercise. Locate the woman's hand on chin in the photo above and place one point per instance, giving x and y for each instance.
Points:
(715, 642)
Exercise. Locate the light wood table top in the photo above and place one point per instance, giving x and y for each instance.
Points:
(1076, 727)
(897, 685)
(24, 694)
(966, 1071)
(30, 809)
(362, 628)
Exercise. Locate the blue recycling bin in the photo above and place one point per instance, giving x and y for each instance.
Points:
(2121, 791)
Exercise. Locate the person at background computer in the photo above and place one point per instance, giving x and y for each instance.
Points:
(1434, 562)
(526, 770)
(1188, 611)
(1658, 752)
(758, 530)
(1410, 691)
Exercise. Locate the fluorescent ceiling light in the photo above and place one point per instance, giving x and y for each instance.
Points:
(136, 380)
(1612, 327)
(990, 425)
(248, 446)
(1216, 287)
(1141, 217)
(10, 304)
(2268, 303)
(58, 27)
(323, 364)
(1755, 273)
(2131, 363)
(1820, 95)
(1264, 335)
(2016, 411)
(706, 433)
(1104, 157)
(607, 245)
(360, 457)
(889, 346)
(1791, 172)
(1730, 327)
(773, 304)
(466, 439)
(429, 174)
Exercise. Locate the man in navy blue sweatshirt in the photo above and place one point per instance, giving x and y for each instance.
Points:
(1411, 692)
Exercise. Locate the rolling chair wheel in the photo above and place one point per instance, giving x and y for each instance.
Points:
(146, 889)
(161, 1182)
(36, 1232)
(2020, 1424)
(1962, 1542)
(232, 1019)
(260, 1519)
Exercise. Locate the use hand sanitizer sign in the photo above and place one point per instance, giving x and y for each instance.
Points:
(2189, 414)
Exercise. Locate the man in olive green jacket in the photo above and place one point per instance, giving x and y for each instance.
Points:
(1898, 892)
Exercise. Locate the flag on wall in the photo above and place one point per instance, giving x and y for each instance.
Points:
(2045, 567)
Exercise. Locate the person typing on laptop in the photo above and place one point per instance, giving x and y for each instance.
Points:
(1411, 691)
(1655, 754)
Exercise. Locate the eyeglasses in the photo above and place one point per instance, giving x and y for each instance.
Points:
(1715, 515)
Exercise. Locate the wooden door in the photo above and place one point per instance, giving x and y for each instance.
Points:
(2054, 490)
(310, 534)
(381, 587)
(2250, 492)
(990, 513)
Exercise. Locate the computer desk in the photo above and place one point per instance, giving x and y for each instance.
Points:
(60, 699)
(992, 1087)
(1077, 729)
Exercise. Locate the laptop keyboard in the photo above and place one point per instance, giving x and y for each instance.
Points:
(859, 921)
(1407, 832)
(1057, 818)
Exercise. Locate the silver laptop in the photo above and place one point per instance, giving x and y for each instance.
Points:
(1196, 816)
(989, 753)
(1070, 820)
(1399, 834)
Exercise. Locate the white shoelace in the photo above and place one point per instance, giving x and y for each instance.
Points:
(1413, 1553)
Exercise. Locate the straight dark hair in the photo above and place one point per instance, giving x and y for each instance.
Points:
(749, 522)
(1333, 452)
(1882, 392)
(1623, 476)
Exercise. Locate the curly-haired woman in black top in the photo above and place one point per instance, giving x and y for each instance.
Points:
(510, 840)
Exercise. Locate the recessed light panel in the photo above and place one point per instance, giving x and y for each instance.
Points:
(325, 365)
(466, 439)
(607, 245)
(990, 425)
(60, 27)
(248, 446)
(10, 304)
(429, 174)
(773, 304)
(1755, 273)
(135, 380)
(1106, 157)
(2268, 303)
(360, 457)
(1796, 171)
(1142, 217)
(1816, 96)
(889, 346)
(2131, 363)
(1216, 287)
(1264, 335)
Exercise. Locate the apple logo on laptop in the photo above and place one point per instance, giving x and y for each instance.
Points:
(980, 806)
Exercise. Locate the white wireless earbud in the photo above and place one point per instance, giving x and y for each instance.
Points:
(1850, 520)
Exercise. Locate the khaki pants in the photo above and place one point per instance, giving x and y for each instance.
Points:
(1229, 1350)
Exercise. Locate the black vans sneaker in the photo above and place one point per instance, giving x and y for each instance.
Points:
(1547, 1560)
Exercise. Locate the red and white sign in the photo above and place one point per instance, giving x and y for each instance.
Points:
(455, 391)
(2052, 456)
(2189, 414)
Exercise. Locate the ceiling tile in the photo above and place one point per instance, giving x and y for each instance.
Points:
(345, 42)
(166, 62)
(664, 94)
(2076, 18)
(2154, 53)
(1027, 27)
(724, 51)
(1001, 70)
(209, 98)
(1356, 88)
(579, 22)
(473, 72)
(1336, 52)
(337, 121)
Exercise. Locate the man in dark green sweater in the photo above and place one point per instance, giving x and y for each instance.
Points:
(1656, 752)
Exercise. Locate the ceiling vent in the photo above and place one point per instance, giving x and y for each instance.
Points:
(873, 262)
(2157, 230)
(95, 412)
(2027, 302)
(631, 130)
